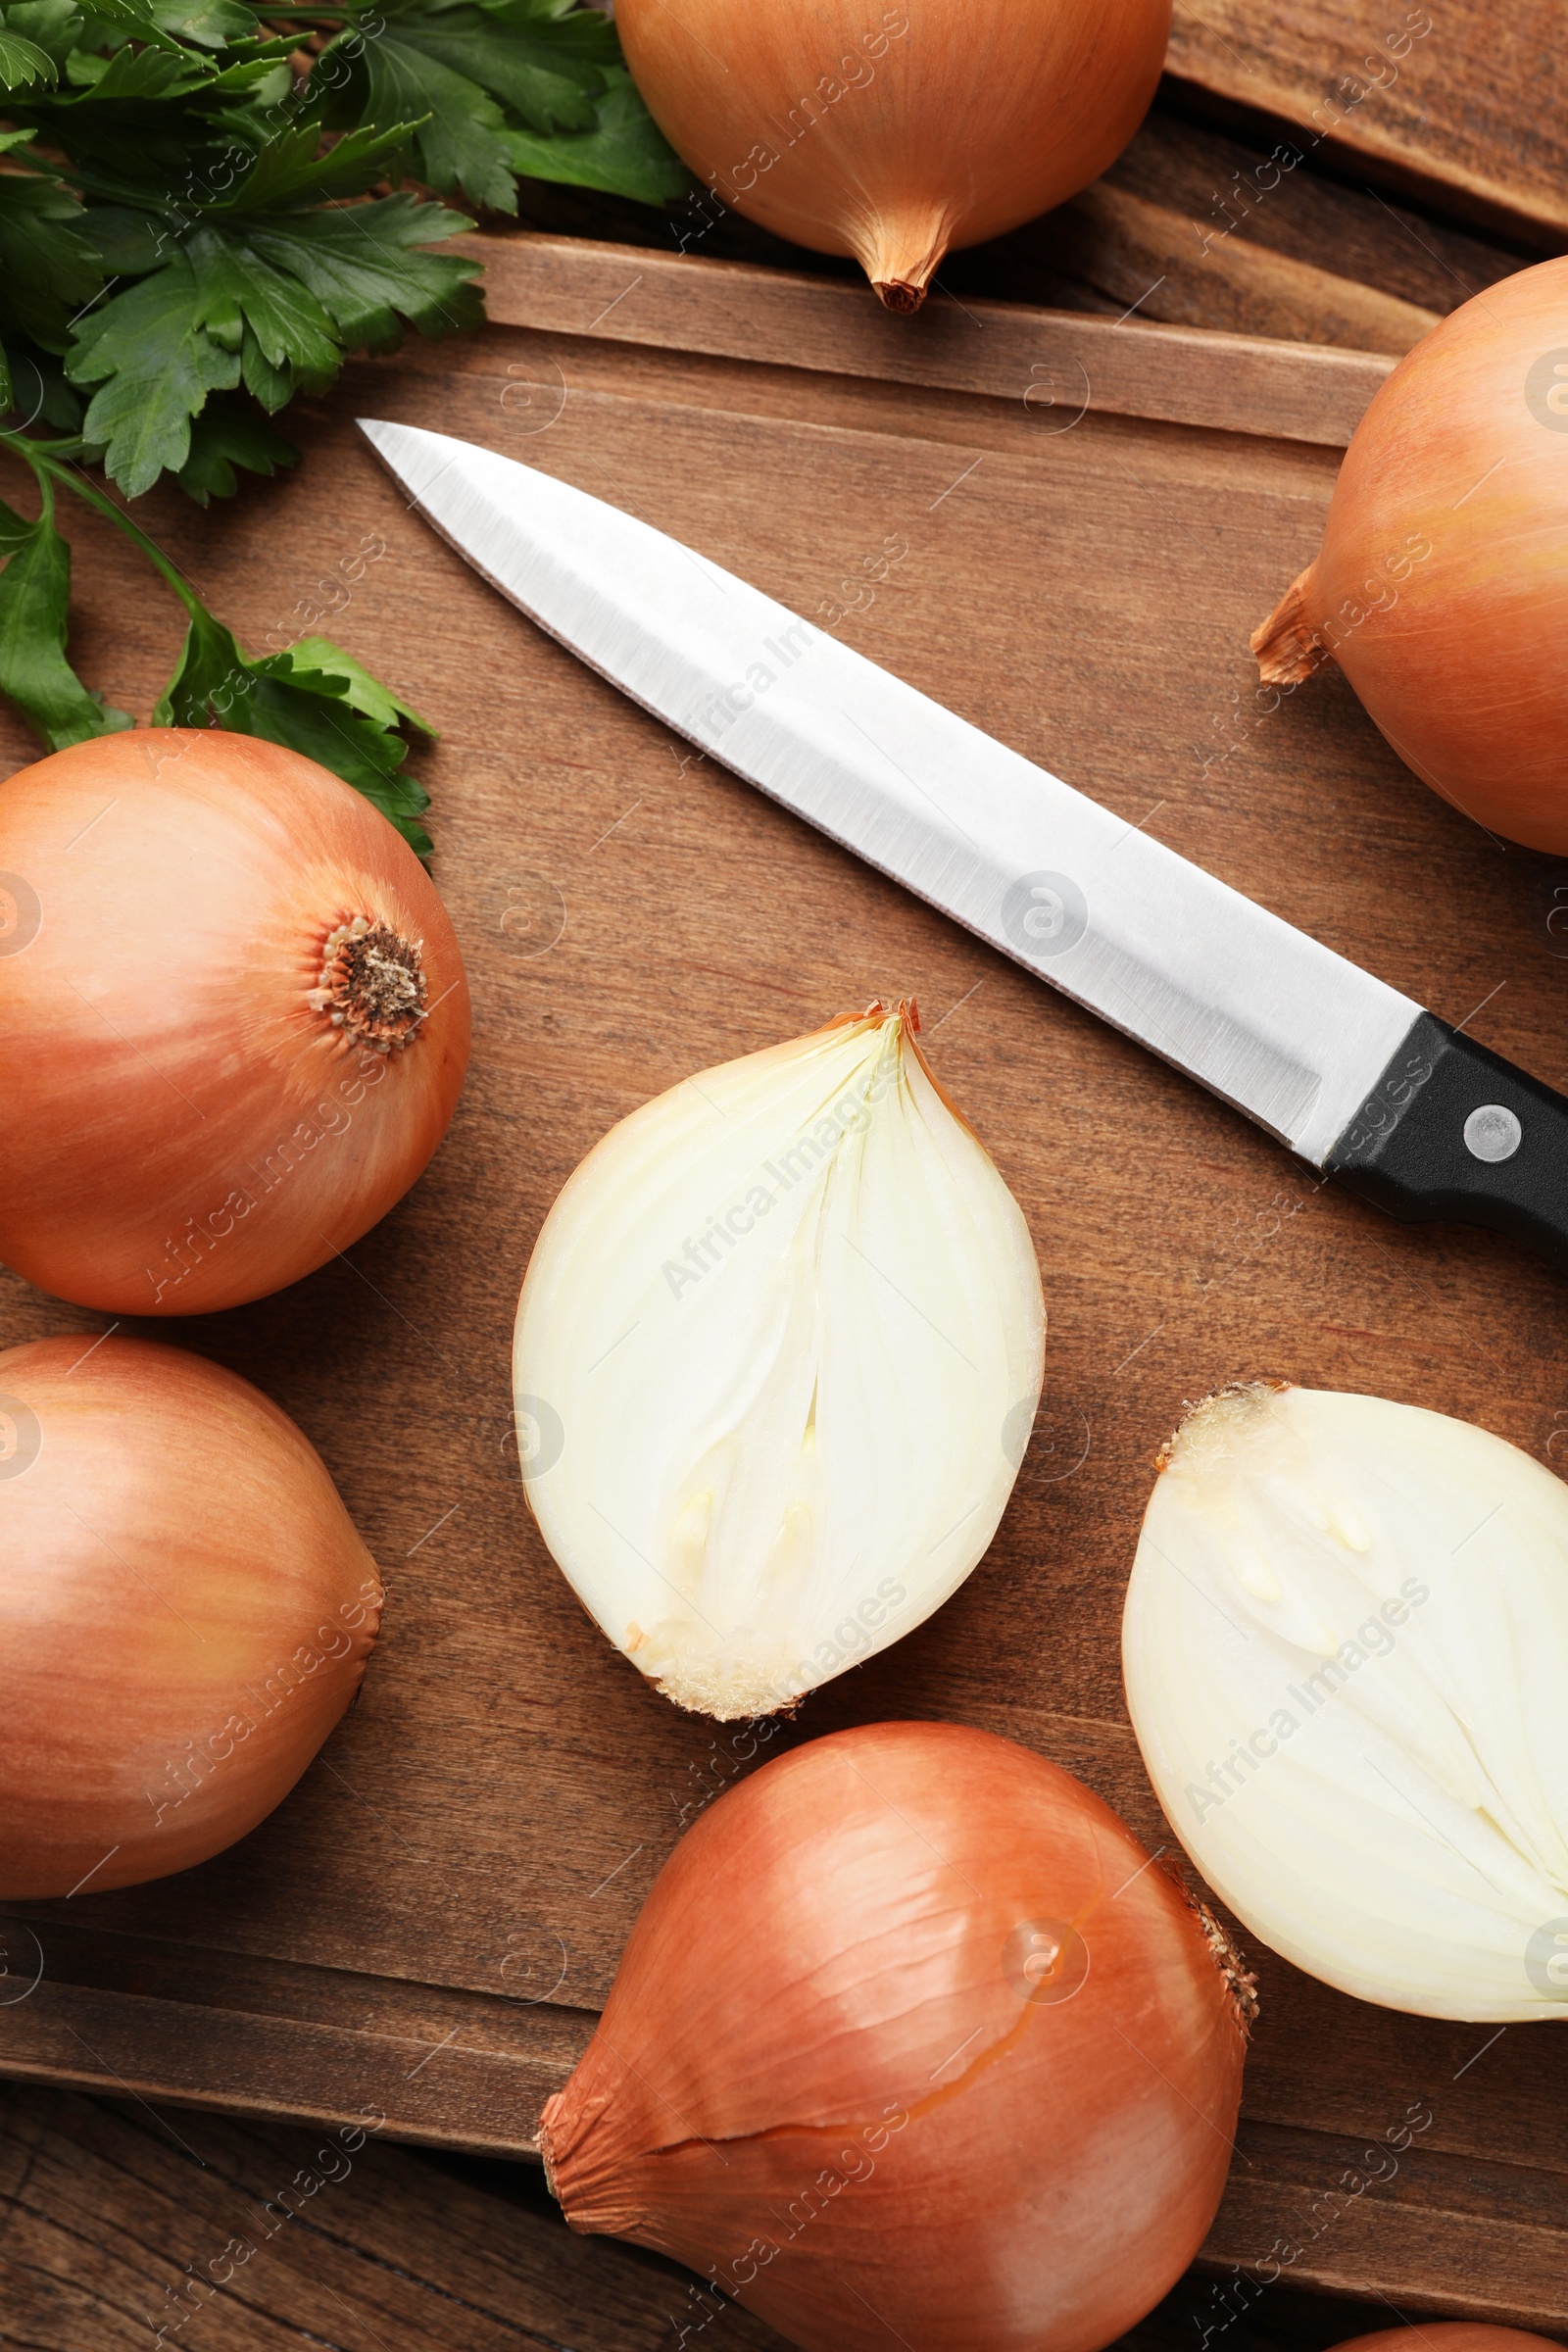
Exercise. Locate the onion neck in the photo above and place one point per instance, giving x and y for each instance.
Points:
(371, 985)
(902, 252)
(1288, 646)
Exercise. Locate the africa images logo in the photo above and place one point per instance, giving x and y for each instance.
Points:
(20, 914)
(20, 1437)
(1044, 914)
(1546, 1960)
(1546, 390)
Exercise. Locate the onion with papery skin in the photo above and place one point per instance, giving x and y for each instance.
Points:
(912, 2043)
(185, 1611)
(778, 1355)
(1449, 2336)
(895, 135)
(234, 1020)
(1346, 1652)
(1441, 584)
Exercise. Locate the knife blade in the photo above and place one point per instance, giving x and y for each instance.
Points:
(1350, 1075)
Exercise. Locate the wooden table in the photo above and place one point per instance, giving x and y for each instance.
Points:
(104, 2205)
(426, 1928)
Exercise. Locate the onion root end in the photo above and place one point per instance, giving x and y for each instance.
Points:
(1240, 1982)
(1288, 646)
(896, 294)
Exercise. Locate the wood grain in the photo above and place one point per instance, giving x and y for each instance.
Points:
(1469, 113)
(109, 2211)
(1044, 360)
(238, 2238)
(428, 1922)
(1263, 245)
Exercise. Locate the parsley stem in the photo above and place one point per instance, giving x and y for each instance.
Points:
(49, 467)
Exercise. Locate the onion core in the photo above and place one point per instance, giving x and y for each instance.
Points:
(911, 2043)
(185, 1611)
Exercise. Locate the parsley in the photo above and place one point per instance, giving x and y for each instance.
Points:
(313, 696)
(200, 217)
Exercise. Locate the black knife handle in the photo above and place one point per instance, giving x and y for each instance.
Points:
(1453, 1132)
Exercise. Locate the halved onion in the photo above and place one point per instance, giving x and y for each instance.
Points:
(777, 1358)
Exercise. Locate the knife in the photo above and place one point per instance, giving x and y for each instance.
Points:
(1355, 1079)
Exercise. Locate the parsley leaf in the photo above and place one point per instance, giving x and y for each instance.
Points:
(22, 62)
(625, 153)
(200, 220)
(154, 362)
(223, 437)
(34, 593)
(367, 694)
(210, 24)
(506, 87)
(458, 145)
(312, 696)
(48, 267)
(276, 300)
(367, 266)
(213, 221)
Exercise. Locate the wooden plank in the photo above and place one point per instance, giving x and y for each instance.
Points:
(1227, 280)
(450, 2068)
(507, 1788)
(111, 2213)
(1458, 2236)
(1056, 360)
(1239, 211)
(237, 2237)
(1463, 104)
(1205, 231)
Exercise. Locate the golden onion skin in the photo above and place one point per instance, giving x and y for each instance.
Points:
(826, 124)
(1441, 585)
(1451, 2335)
(909, 2012)
(187, 1126)
(185, 1611)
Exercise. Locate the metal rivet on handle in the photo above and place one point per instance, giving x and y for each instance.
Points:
(1492, 1133)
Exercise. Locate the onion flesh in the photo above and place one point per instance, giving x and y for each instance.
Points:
(1443, 579)
(234, 1020)
(894, 134)
(911, 2042)
(1345, 1652)
(777, 1357)
(185, 1611)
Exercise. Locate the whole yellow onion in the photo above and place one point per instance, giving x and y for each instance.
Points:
(1441, 584)
(185, 1611)
(1449, 2336)
(894, 134)
(233, 1019)
(911, 2045)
